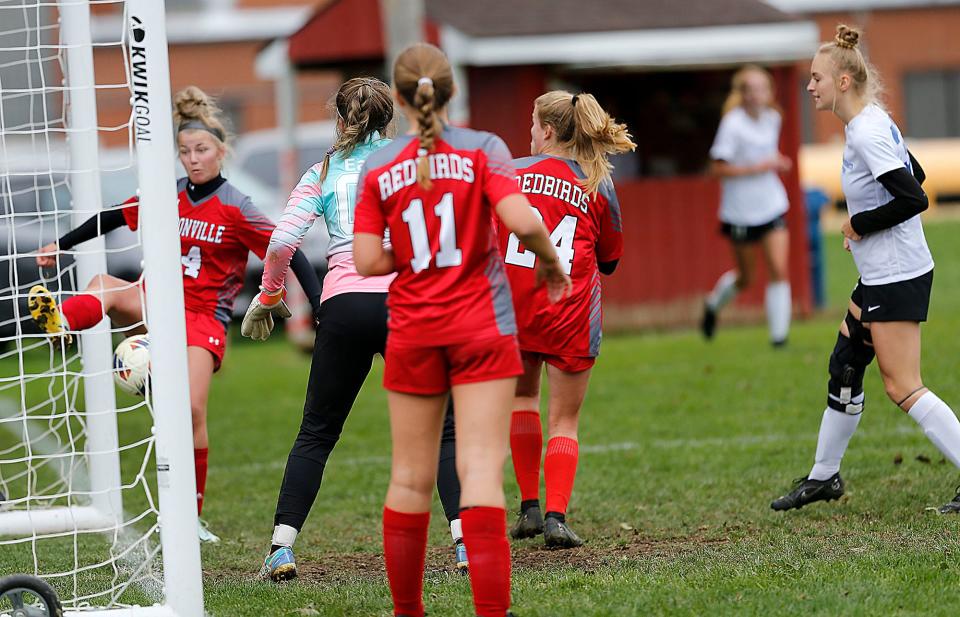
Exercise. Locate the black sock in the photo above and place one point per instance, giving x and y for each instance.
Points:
(557, 515)
(529, 503)
(274, 548)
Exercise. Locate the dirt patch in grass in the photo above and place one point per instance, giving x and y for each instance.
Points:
(530, 555)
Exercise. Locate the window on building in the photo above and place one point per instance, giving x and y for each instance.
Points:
(932, 103)
(672, 115)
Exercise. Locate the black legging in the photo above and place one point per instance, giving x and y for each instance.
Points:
(352, 328)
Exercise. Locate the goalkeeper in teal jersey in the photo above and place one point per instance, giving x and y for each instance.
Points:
(351, 321)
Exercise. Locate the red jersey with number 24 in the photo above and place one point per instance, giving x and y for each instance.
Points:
(451, 286)
(216, 235)
(585, 229)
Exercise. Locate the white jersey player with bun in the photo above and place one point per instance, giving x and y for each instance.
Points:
(882, 184)
(874, 147)
(746, 157)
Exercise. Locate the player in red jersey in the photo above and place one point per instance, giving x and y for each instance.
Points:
(219, 226)
(451, 323)
(568, 182)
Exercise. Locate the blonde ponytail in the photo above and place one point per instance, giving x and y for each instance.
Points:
(586, 131)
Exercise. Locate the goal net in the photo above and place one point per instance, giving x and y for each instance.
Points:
(97, 494)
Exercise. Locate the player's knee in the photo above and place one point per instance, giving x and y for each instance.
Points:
(99, 282)
(412, 483)
(744, 279)
(848, 365)
(898, 390)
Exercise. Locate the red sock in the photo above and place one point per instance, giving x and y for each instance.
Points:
(404, 550)
(526, 446)
(82, 311)
(200, 466)
(485, 535)
(559, 470)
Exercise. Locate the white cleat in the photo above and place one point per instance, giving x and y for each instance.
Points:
(207, 536)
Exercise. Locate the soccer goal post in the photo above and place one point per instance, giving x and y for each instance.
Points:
(97, 493)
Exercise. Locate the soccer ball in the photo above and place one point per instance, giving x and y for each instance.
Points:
(131, 364)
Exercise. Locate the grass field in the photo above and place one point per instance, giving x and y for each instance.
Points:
(683, 445)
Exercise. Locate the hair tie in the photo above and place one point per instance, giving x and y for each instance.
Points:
(200, 126)
(573, 101)
(421, 152)
(424, 80)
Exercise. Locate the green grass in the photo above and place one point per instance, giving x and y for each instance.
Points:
(683, 445)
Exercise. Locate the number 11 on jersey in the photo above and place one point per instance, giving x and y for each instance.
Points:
(449, 255)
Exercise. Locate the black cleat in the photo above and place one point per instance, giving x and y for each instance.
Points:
(556, 534)
(807, 491)
(709, 324)
(528, 525)
(952, 507)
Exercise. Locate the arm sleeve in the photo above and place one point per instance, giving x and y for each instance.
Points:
(499, 176)
(97, 225)
(918, 172)
(303, 208)
(254, 228)
(725, 143)
(307, 277)
(368, 216)
(610, 239)
(908, 201)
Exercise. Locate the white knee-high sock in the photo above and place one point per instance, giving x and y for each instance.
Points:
(779, 307)
(836, 429)
(939, 424)
(723, 291)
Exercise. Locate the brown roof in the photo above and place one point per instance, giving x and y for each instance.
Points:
(482, 18)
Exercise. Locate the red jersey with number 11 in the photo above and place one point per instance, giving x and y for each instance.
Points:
(216, 235)
(451, 287)
(585, 229)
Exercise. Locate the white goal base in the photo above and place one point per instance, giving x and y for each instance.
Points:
(134, 611)
(61, 519)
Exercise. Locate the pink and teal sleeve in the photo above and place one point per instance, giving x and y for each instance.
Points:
(303, 207)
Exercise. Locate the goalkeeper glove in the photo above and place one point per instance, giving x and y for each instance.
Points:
(258, 321)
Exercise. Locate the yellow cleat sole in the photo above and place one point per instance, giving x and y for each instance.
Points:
(44, 311)
(285, 572)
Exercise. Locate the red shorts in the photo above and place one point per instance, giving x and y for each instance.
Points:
(205, 331)
(567, 364)
(433, 370)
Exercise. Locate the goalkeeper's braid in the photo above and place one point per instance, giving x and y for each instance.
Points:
(363, 106)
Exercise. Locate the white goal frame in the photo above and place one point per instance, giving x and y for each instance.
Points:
(176, 486)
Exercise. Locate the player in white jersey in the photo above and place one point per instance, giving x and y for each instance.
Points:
(881, 182)
(351, 321)
(746, 156)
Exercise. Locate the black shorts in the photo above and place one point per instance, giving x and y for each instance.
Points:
(747, 234)
(901, 301)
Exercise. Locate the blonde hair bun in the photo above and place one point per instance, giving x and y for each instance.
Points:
(847, 37)
(193, 104)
